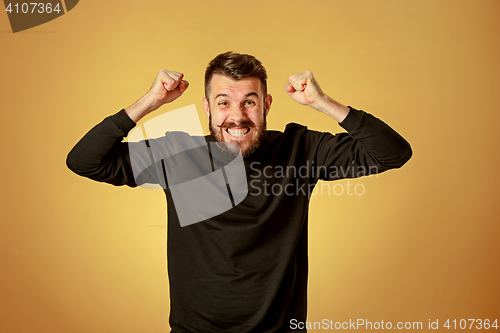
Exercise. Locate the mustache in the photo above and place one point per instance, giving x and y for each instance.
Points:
(232, 124)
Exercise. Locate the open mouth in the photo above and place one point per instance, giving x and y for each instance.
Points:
(238, 132)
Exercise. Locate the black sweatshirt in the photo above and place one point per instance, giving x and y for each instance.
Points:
(245, 270)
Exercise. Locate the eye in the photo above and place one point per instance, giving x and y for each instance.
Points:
(249, 103)
(224, 103)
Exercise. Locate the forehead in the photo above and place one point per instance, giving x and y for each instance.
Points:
(233, 88)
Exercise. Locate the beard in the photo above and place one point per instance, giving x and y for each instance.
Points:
(236, 147)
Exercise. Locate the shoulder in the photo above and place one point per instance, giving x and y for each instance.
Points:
(291, 129)
(170, 143)
(294, 137)
(298, 133)
(294, 131)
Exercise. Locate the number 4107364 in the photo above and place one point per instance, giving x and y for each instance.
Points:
(486, 324)
(33, 7)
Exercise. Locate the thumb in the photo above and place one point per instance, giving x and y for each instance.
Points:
(289, 89)
(183, 85)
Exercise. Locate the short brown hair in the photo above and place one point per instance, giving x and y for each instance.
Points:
(236, 66)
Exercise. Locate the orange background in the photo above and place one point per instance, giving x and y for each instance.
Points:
(420, 244)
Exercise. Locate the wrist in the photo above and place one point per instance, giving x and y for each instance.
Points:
(332, 108)
(141, 108)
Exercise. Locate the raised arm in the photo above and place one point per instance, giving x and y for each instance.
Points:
(100, 155)
(369, 145)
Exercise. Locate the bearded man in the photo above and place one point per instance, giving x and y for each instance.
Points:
(245, 269)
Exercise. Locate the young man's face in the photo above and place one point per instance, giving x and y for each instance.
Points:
(237, 111)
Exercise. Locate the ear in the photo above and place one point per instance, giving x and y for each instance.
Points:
(206, 107)
(267, 103)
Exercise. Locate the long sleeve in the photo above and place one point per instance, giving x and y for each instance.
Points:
(100, 155)
(369, 146)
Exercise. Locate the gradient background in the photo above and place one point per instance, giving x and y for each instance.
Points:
(420, 244)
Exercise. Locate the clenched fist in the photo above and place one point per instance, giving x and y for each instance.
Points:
(304, 89)
(167, 87)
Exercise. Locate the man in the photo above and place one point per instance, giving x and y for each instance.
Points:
(245, 270)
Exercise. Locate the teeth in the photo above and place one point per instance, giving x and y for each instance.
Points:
(238, 132)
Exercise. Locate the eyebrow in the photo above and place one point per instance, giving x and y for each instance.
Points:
(226, 95)
(220, 95)
(252, 94)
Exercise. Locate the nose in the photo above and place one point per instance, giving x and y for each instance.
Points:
(237, 113)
